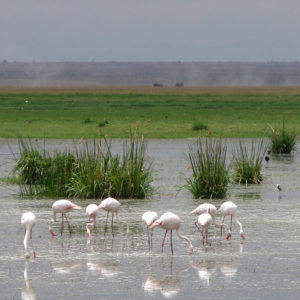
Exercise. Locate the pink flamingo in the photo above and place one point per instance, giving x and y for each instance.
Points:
(228, 208)
(149, 217)
(204, 220)
(92, 212)
(204, 208)
(62, 206)
(112, 206)
(170, 221)
(28, 220)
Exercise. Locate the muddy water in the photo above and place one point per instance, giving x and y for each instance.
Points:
(265, 266)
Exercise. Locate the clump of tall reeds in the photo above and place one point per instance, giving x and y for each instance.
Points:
(198, 125)
(282, 140)
(210, 176)
(89, 171)
(247, 162)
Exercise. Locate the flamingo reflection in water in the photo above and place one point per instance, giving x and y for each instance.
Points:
(205, 268)
(28, 292)
(169, 286)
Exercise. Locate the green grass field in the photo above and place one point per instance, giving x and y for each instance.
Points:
(161, 112)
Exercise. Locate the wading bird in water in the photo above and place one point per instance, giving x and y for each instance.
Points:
(92, 212)
(149, 217)
(111, 205)
(228, 208)
(62, 206)
(205, 220)
(170, 222)
(28, 220)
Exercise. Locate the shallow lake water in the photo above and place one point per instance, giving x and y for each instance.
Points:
(265, 266)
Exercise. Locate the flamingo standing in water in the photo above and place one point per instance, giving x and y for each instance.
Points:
(28, 220)
(208, 208)
(204, 220)
(228, 208)
(149, 217)
(111, 205)
(62, 206)
(92, 212)
(204, 208)
(170, 221)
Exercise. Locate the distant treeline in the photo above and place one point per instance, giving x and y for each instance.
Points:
(150, 73)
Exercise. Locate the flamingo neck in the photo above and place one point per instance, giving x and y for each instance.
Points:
(239, 223)
(26, 241)
(186, 239)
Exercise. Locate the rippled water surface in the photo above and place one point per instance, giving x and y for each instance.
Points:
(265, 266)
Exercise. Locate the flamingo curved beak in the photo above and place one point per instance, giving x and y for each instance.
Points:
(156, 223)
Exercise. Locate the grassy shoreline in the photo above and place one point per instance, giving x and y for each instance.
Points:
(168, 112)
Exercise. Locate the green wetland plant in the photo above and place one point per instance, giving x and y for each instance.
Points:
(282, 141)
(247, 162)
(198, 125)
(89, 171)
(210, 176)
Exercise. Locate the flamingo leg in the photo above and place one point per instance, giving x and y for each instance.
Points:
(69, 226)
(163, 242)
(231, 223)
(149, 243)
(206, 234)
(221, 225)
(62, 222)
(94, 223)
(32, 243)
(151, 239)
(171, 242)
(201, 231)
(105, 226)
(112, 223)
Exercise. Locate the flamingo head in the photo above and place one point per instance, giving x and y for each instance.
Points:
(242, 235)
(228, 236)
(76, 207)
(155, 224)
(88, 230)
(51, 229)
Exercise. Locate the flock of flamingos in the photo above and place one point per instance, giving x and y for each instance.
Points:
(206, 213)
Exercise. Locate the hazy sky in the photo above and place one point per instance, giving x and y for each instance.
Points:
(149, 30)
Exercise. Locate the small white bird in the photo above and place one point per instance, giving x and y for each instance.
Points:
(149, 217)
(62, 206)
(170, 221)
(28, 220)
(228, 208)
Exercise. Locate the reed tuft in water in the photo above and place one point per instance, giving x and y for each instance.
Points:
(89, 171)
(247, 162)
(210, 176)
(282, 140)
